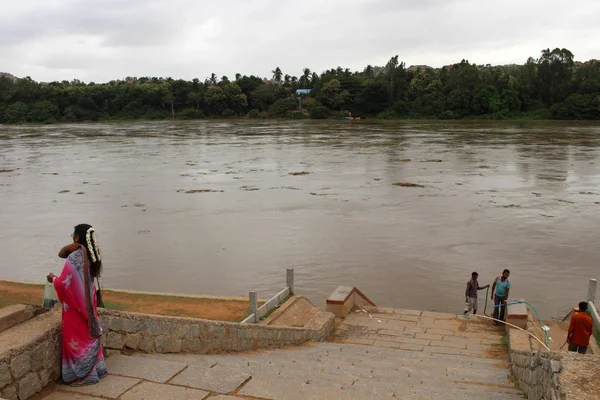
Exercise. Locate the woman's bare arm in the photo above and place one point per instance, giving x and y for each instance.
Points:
(68, 249)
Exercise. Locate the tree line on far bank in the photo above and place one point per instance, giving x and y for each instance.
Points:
(552, 86)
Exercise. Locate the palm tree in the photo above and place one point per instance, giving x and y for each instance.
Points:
(286, 79)
(277, 74)
(238, 76)
(306, 76)
(213, 78)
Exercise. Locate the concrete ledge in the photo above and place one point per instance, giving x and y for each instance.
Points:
(517, 314)
(518, 340)
(16, 314)
(344, 298)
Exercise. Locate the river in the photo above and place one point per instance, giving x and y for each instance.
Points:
(224, 207)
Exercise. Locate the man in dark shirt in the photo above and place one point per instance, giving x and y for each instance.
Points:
(580, 330)
(471, 293)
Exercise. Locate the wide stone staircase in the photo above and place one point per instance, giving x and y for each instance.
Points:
(375, 354)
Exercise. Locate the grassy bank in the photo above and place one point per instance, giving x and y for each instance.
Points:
(209, 308)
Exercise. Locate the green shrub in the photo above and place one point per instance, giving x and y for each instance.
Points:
(447, 115)
(254, 114)
(318, 111)
(282, 106)
(387, 114)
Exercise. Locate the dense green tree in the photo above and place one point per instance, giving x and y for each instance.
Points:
(554, 69)
(552, 86)
(283, 106)
(333, 96)
(43, 111)
(263, 97)
(16, 112)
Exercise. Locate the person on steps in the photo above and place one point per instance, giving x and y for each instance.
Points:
(580, 330)
(82, 357)
(500, 290)
(471, 293)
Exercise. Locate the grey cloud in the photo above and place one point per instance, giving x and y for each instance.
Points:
(119, 23)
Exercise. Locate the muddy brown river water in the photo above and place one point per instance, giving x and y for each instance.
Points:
(223, 208)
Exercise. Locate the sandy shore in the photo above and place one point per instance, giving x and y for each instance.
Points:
(215, 308)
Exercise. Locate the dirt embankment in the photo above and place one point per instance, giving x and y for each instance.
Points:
(209, 308)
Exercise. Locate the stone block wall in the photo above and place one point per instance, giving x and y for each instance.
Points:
(552, 375)
(160, 334)
(538, 374)
(34, 361)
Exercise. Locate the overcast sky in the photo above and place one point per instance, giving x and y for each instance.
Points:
(100, 40)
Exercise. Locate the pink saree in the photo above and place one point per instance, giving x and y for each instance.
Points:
(82, 358)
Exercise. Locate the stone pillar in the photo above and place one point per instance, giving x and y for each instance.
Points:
(591, 294)
(290, 280)
(253, 304)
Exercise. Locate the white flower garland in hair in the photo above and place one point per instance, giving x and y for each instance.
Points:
(96, 248)
(88, 239)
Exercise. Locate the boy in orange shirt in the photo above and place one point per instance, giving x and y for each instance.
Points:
(580, 330)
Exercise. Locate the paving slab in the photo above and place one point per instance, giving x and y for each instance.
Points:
(287, 388)
(219, 379)
(143, 368)
(155, 391)
(110, 387)
(449, 343)
(68, 396)
(437, 315)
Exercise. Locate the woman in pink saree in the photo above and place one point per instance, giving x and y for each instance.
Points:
(82, 357)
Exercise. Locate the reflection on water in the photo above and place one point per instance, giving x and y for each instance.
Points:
(215, 207)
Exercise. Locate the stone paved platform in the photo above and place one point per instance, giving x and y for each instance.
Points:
(377, 354)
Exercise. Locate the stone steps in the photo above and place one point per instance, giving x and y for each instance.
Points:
(322, 371)
(366, 370)
(450, 356)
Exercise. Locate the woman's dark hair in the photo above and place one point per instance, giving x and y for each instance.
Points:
(81, 231)
(583, 306)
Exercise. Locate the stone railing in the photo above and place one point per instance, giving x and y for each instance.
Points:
(161, 334)
(257, 313)
(592, 310)
(30, 356)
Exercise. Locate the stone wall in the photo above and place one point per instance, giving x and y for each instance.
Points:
(538, 374)
(30, 356)
(552, 375)
(161, 334)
